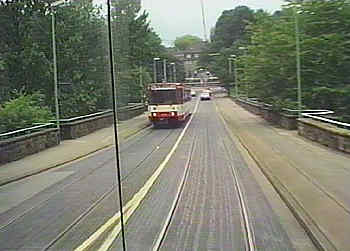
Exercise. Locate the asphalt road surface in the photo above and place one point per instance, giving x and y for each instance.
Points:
(187, 188)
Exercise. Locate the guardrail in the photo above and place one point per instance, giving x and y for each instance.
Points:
(24, 131)
(85, 116)
(313, 115)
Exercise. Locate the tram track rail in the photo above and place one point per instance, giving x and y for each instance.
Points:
(112, 227)
(105, 195)
(165, 227)
(246, 228)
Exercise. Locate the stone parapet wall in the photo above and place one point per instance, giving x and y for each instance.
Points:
(128, 113)
(79, 128)
(19, 147)
(84, 127)
(285, 121)
(22, 146)
(325, 134)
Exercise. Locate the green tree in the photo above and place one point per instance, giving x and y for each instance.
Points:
(26, 51)
(186, 42)
(229, 34)
(231, 27)
(82, 59)
(270, 66)
(24, 59)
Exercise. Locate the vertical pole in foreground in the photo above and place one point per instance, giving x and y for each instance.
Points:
(111, 62)
(55, 70)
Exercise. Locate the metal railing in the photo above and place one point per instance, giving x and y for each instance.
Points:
(84, 116)
(25, 131)
(317, 115)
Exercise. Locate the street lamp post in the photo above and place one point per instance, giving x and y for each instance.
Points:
(55, 71)
(297, 45)
(164, 70)
(229, 66)
(230, 59)
(174, 72)
(236, 78)
(155, 69)
(55, 78)
(245, 53)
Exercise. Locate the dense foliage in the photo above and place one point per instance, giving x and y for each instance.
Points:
(26, 54)
(267, 64)
(23, 111)
(186, 42)
(229, 34)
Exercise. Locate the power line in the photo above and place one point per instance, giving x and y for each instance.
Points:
(204, 22)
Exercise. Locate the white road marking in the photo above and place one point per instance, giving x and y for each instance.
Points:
(133, 204)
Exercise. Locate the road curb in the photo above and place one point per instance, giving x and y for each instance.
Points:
(31, 173)
(312, 229)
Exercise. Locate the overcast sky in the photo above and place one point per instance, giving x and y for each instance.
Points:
(174, 18)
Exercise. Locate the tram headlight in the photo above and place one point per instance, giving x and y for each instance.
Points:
(154, 114)
(172, 114)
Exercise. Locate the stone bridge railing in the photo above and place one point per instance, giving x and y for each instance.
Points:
(284, 119)
(18, 144)
(312, 125)
(80, 126)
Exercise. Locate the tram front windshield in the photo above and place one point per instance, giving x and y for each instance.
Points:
(163, 97)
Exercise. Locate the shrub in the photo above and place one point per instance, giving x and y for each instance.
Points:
(23, 111)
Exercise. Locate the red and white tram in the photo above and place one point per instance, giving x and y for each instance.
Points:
(168, 103)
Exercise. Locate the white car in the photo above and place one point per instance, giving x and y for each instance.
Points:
(205, 96)
(193, 93)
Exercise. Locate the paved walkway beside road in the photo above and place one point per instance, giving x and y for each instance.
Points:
(313, 180)
(70, 150)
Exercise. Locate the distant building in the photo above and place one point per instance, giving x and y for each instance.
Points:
(190, 58)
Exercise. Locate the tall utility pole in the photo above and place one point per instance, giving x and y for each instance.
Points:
(236, 77)
(53, 24)
(55, 70)
(204, 23)
(297, 45)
